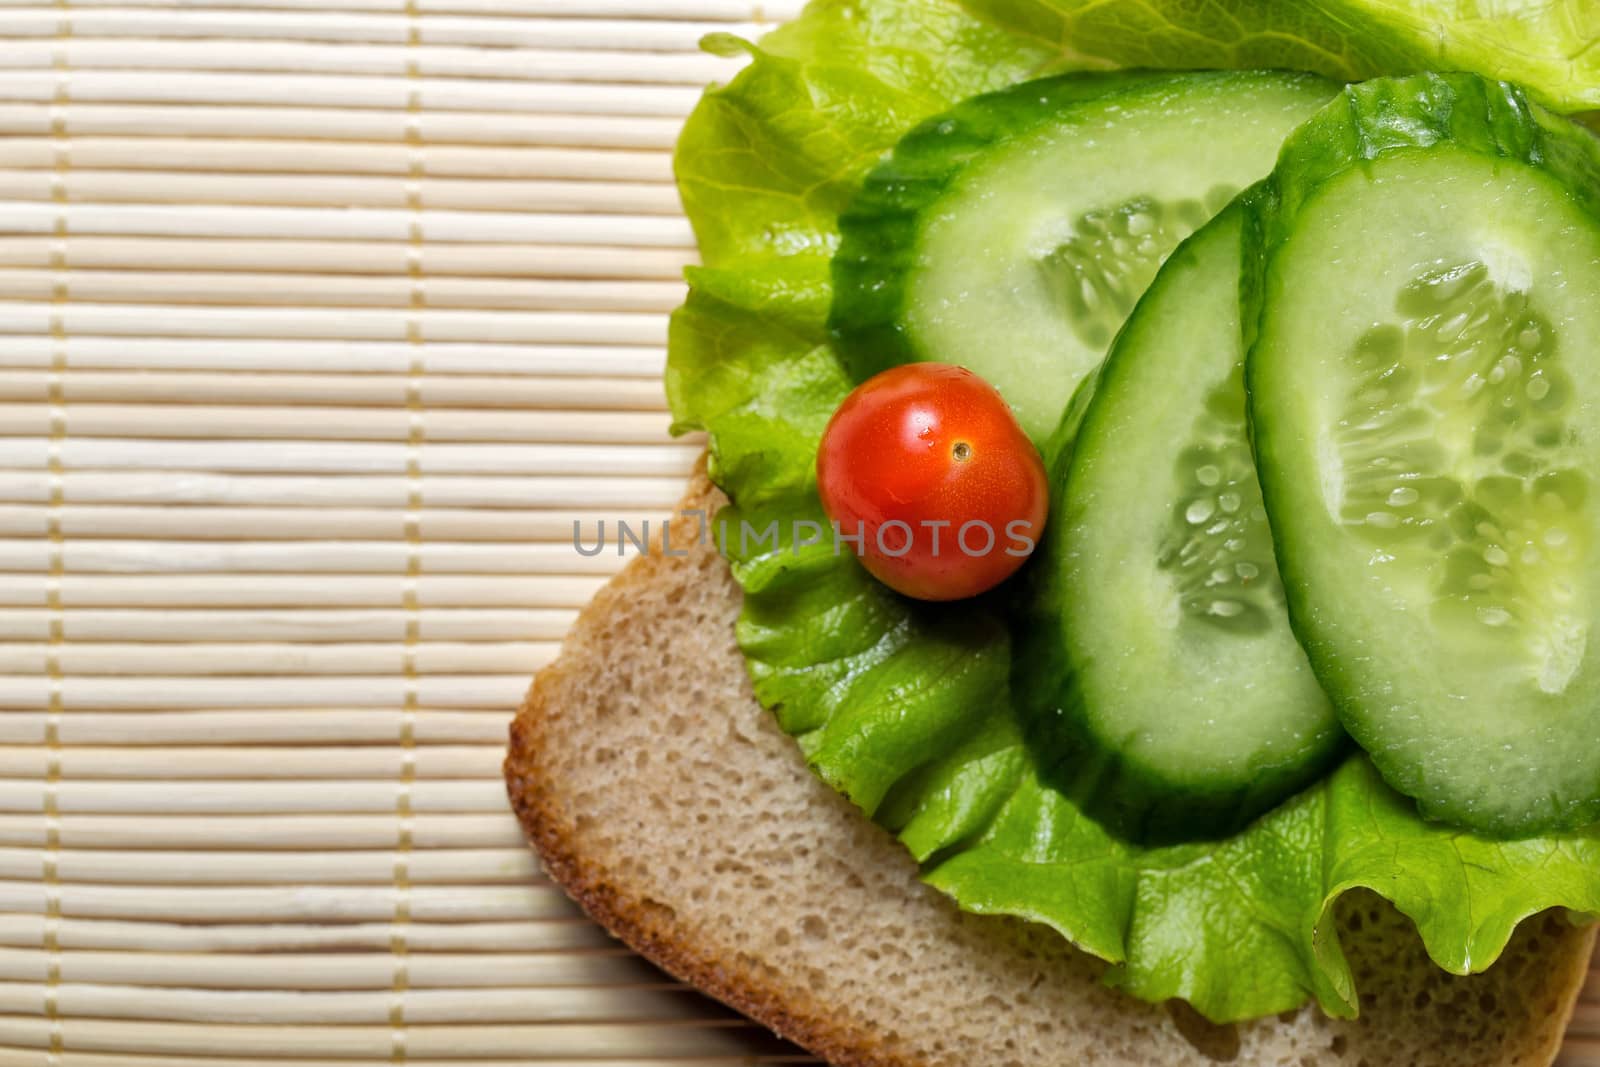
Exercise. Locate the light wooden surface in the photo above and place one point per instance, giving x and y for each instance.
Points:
(320, 322)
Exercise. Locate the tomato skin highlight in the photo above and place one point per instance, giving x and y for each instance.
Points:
(933, 447)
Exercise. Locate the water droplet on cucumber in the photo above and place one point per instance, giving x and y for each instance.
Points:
(1404, 497)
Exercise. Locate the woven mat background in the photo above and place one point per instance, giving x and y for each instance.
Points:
(320, 321)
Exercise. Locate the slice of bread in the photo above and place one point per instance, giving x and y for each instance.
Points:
(670, 806)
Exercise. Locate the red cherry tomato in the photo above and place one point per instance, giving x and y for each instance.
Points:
(926, 462)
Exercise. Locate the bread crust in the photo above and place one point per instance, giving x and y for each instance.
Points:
(656, 931)
(642, 928)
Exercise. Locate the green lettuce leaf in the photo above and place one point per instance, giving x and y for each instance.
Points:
(1551, 47)
(904, 707)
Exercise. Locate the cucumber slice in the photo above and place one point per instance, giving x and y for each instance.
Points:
(1013, 234)
(1160, 665)
(1425, 397)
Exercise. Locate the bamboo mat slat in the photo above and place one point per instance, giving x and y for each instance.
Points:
(355, 223)
(327, 724)
(357, 28)
(227, 833)
(292, 625)
(577, 66)
(650, 1042)
(164, 352)
(325, 327)
(448, 128)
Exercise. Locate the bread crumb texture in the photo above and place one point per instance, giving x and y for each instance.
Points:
(673, 808)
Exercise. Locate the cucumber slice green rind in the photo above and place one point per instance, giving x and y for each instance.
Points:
(1458, 672)
(879, 228)
(1132, 180)
(764, 165)
(1155, 664)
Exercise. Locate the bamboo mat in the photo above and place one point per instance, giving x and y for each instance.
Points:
(320, 322)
